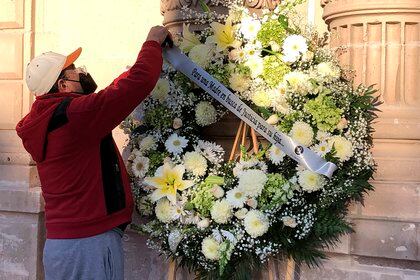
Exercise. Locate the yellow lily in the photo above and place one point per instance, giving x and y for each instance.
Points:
(167, 180)
(224, 35)
(189, 39)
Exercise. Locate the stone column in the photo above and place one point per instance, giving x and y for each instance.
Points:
(21, 205)
(382, 42)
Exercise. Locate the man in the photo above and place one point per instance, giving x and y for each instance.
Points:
(68, 132)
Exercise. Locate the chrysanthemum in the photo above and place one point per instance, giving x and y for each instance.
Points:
(147, 143)
(256, 223)
(310, 181)
(210, 248)
(140, 166)
(275, 155)
(165, 211)
(239, 82)
(201, 54)
(252, 182)
(343, 147)
(297, 82)
(205, 113)
(236, 197)
(221, 211)
(195, 163)
(302, 133)
(328, 70)
(255, 65)
(261, 98)
(175, 144)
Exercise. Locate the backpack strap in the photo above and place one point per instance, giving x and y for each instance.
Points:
(59, 117)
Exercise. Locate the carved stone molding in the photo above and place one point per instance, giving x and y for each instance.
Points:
(382, 41)
(173, 17)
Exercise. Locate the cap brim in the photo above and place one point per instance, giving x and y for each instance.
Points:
(71, 58)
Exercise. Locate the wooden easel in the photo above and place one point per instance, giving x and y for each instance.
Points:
(242, 135)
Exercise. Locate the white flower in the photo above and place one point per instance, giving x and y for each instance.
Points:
(140, 166)
(213, 152)
(221, 211)
(322, 148)
(255, 65)
(261, 98)
(322, 136)
(275, 154)
(201, 54)
(147, 143)
(298, 82)
(195, 163)
(175, 143)
(253, 50)
(217, 191)
(310, 181)
(308, 56)
(256, 223)
(164, 210)
(240, 214)
(302, 133)
(210, 248)
(239, 82)
(289, 221)
(236, 197)
(343, 147)
(279, 101)
(204, 223)
(176, 123)
(237, 55)
(250, 27)
(205, 113)
(328, 71)
(294, 46)
(252, 181)
(161, 90)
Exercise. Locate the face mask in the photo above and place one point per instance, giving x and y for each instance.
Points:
(87, 83)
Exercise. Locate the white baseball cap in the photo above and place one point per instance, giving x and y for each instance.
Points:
(43, 70)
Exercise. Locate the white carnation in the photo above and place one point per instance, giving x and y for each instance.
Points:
(221, 211)
(252, 182)
(165, 211)
(161, 90)
(302, 133)
(205, 113)
(210, 248)
(195, 163)
(343, 147)
(310, 181)
(256, 223)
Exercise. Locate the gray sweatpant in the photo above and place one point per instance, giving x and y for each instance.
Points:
(98, 257)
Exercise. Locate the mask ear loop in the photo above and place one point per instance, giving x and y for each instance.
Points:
(81, 70)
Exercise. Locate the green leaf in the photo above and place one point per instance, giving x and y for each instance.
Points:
(204, 6)
(283, 21)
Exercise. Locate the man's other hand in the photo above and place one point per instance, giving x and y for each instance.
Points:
(158, 34)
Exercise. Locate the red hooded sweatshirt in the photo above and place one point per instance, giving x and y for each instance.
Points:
(83, 178)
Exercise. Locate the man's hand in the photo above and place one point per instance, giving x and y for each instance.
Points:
(158, 34)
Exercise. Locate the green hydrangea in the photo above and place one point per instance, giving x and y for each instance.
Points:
(276, 192)
(203, 199)
(274, 70)
(324, 112)
(271, 31)
(159, 117)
